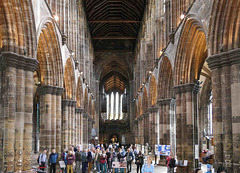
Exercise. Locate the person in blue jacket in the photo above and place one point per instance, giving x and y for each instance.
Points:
(148, 167)
(53, 161)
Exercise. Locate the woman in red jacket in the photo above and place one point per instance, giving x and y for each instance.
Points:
(170, 168)
(103, 161)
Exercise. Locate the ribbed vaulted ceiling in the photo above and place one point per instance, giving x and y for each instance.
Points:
(114, 20)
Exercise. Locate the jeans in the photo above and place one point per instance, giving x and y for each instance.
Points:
(105, 167)
(109, 166)
(53, 168)
(98, 166)
(129, 166)
(170, 170)
(78, 167)
(69, 168)
(84, 166)
(139, 168)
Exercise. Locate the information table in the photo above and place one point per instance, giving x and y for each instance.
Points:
(119, 165)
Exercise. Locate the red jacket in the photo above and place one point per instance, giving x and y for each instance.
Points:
(103, 159)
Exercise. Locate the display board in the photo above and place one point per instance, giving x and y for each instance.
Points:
(119, 165)
(164, 150)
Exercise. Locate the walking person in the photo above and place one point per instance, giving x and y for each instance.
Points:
(78, 156)
(97, 160)
(64, 156)
(170, 163)
(148, 167)
(70, 159)
(139, 161)
(129, 156)
(53, 161)
(42, 159)
(109, 160)
(103, 162)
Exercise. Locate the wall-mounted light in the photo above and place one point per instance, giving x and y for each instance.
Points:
(56, 17)
(72, 52)
(38, 84)
(183, 15)
(150, 72)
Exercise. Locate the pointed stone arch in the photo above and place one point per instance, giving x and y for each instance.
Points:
(79, 93)
(191, 52)
(49, 57)
(145, 100)
(224, 28)
(17, 29)
(165, 79)
(152, 91)
(69, 81)
(86, 99)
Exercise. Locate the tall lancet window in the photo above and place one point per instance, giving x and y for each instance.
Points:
(114, 106)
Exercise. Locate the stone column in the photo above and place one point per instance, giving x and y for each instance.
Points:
(85, 130)
(73, 107)
(70, 142)
(173, 126)
(136, 131)
(186, 111)
(160, 103)
(59, 120)
(153, 126)
(50, 117)
(226, 119)
(16, 111)
(65, 119)
(146, 127)
(78, 125)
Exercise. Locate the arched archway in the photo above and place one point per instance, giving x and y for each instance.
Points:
(152, 91)
(165, 79)
(69, 81)
(79, 93)
(145, 100)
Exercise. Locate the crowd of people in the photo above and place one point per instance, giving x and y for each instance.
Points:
(98, 158)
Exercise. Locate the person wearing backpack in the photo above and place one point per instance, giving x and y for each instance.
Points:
(78, 156)
(90, 160)
(42, 159)
(53, 161)
(170, 163)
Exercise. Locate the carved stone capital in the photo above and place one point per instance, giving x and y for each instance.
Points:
(11, 59)
(140, 117)
(152, 109)
(48, 89)
(78, 110)
(145, 114)
(184, 88)
(73, 103)
(224, 59)
(135, 121)
(66, 102)
(166, 101)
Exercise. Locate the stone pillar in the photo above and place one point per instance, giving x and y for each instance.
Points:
(153, 126)
(65, 119)
(90, 123)
(146, 127)
(136, 131)
(226, 119)
(186, 111)
(78, 125)
(160, 103)
(70, 142)
(85, 130)
(16, 111)
(73, 115)
(59, 120)
(173, 126)
(50, 110)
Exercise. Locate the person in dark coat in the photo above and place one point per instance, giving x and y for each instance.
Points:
(139, 161)
(53, 161)
(130, 157)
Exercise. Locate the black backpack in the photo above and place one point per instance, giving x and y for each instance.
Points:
(172, 163)
(89, 157)
(39, 157)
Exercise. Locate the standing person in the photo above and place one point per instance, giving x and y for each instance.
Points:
(97, 160)
(103, 161)
(170, 163)
(42, 159)
(208, 156)
(70, 159)
(90, 160)
(53, 161)
(64, 155)
(84, 161)
(129, 156)
(139, 161)
(148, 167)
(78, 156)
(109, 160)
